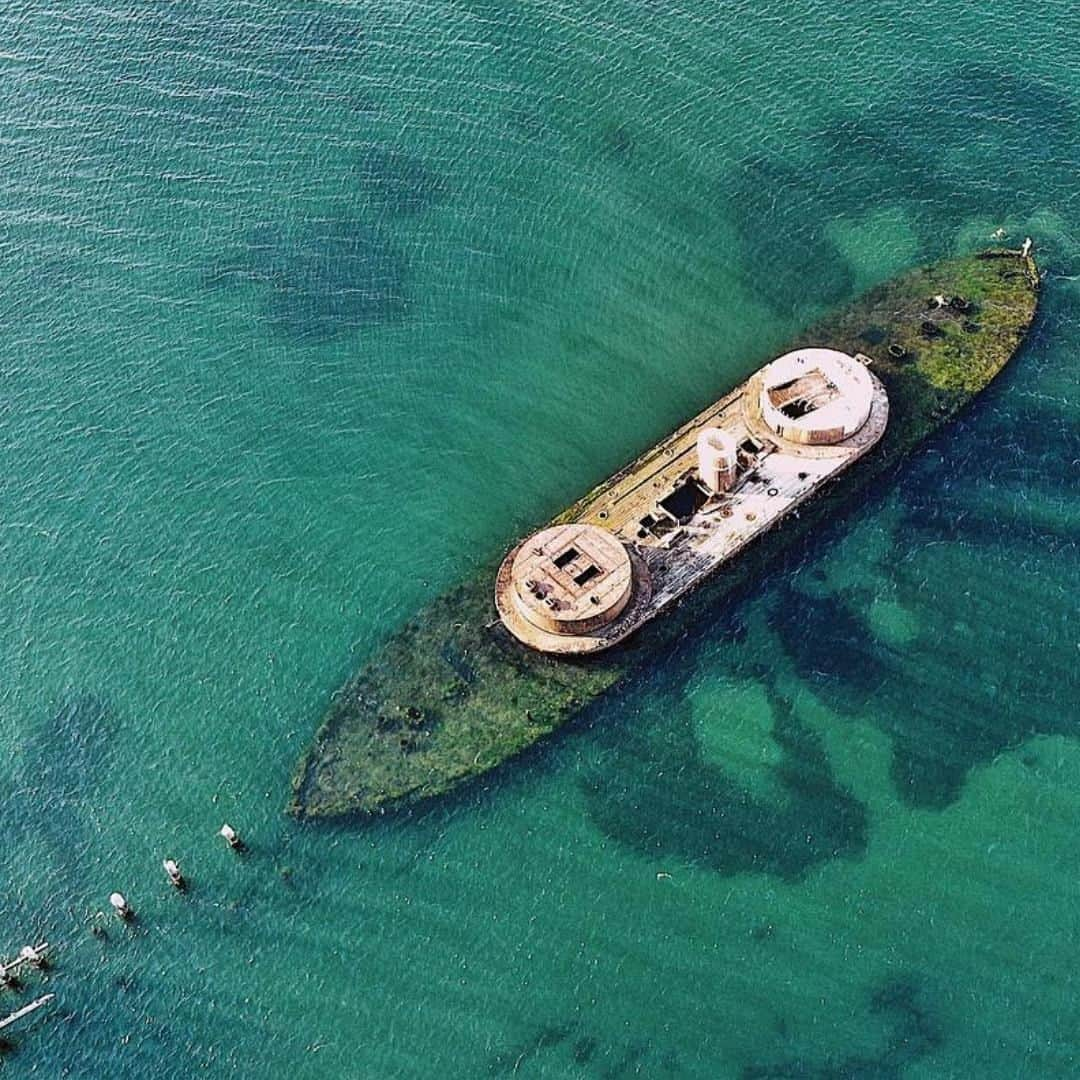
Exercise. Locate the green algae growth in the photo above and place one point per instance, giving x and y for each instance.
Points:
(452, 694)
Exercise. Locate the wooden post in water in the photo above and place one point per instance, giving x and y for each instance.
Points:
(231, 837)
(121, 906)
(26, 1010)
(172, 871)
(34, 955)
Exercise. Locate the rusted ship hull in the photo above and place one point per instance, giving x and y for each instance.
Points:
(453, 693)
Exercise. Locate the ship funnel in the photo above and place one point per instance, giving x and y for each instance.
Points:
(717, 459)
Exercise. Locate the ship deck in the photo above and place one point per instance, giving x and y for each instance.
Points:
(682, 533)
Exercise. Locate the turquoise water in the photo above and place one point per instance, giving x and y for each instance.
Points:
(310, 307)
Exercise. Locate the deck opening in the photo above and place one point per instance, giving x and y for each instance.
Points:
(567, 557)
(806, 394)
(587, 574)
(797, 409)
(685, 501)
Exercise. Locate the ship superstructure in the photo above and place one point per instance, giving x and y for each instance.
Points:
(653, 531)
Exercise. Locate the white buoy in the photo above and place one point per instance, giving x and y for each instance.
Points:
(121, 906)
(1025, 251)
(231, 838)
(172, 870)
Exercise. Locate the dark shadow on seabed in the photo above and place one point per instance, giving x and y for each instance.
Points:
(988, 522)
(320, 280)
(59, 774)
(913, 1031)
(657, 794)
(945, 700)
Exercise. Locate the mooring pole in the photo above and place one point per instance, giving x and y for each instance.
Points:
(26, 1010)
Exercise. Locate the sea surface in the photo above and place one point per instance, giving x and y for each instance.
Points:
(310, 307)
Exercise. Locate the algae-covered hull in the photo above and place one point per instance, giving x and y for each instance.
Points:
(452, 694)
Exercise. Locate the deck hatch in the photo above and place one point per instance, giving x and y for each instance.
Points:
(591, 571)
(685, 501)
(803, 395)
(566, 558)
